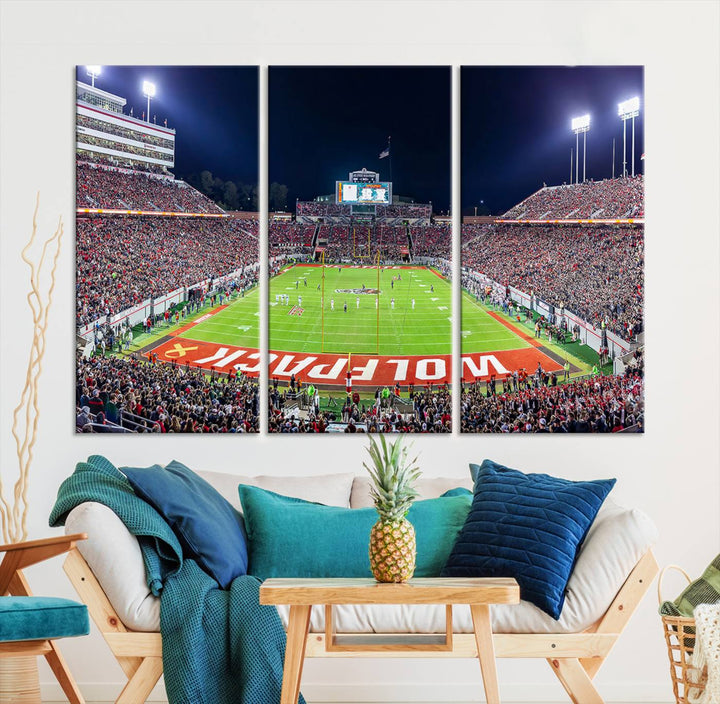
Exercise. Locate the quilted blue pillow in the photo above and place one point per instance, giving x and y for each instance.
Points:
(209, 529)
(526, 526)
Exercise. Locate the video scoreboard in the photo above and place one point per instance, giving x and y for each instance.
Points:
(353, 193)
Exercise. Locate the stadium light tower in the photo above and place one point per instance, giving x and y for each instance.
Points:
(93, 72)
(149, 92)
(580, 124)
(629, 110)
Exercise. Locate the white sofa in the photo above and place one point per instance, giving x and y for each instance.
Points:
(615, 559)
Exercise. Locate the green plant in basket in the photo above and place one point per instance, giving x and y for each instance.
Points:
(392, 539)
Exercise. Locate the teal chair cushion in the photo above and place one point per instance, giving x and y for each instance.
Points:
(41, 617)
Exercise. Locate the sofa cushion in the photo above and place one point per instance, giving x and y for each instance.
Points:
(328, 489)
(526, 526)
(113, 554)
(616, 541)
(210, 530)
(41, 617)
(289, 537)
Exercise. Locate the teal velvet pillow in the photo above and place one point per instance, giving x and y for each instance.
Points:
(290, 537)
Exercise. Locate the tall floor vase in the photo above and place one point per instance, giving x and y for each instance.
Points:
(19, 681)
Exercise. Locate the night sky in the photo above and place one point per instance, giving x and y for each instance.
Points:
(328, 121)
(214, 110)
(516, 128)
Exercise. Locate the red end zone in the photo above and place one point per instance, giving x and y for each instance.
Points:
(367, 370)
(479, 367)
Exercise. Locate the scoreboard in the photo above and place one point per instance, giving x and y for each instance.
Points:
(350, 192)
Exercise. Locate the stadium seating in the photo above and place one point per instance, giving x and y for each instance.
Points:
(432, 413)
(599, 404)
(594, 271)
(124, 260)
(611, 198)
(162, 398)
(102, 187)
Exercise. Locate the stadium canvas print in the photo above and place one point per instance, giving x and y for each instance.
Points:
(552, 250)
(359, 248)
(167, 249)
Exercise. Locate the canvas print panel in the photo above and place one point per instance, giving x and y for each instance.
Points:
(166, 249)
(360, 248)
(552, 249)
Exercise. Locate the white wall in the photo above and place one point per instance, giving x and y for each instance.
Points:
(672, 472)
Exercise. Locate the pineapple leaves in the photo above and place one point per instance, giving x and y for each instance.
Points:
(392, 476)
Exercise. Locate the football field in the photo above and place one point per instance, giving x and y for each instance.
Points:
(483, 333)
(237, 324)
(413, 305)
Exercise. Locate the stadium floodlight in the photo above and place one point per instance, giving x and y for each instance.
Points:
(93, 72)
(578, 125)
(629, 110)
(628, 107)
(581, 124)
(149, 92)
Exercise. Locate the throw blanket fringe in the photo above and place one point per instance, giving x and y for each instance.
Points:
(707, 653)
(219, 646)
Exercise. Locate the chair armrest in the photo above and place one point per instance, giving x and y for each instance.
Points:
(21, 555)
(44, 542)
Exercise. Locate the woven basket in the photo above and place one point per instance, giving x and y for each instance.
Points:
(680, 640)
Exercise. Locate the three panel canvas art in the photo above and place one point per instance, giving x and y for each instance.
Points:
(356, 256)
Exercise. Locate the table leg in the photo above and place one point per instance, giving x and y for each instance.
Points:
(298, 627)
(486, 651)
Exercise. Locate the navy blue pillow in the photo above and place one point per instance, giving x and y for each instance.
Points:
(526, 526)
(209, 529)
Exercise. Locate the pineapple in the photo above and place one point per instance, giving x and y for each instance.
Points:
(392, 539)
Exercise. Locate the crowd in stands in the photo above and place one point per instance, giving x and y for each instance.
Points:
(398, 210)
(285, 236)
(594, 271)
(162, 398)
(432, 240)
(361, 242)
(598, 404)
(87, 139)
(123, 260)
(319, 209)
(432, 413)
(611, 198)
(471, 231)
(99, 187)
(92, 123)
(91, 157)
(407, 210)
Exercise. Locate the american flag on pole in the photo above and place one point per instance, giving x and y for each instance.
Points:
(385, 152)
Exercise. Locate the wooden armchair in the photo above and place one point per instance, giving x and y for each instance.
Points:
(30, 625)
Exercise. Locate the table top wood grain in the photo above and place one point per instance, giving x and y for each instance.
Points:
(436, 590)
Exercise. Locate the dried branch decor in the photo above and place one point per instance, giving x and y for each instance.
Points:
(14, 511)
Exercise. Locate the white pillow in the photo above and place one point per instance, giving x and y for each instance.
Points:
(328, 489)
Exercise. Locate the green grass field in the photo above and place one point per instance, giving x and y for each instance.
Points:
(482, 333)
(238, 324)
(426, 329)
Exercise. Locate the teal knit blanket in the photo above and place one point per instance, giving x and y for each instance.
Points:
(219, 646)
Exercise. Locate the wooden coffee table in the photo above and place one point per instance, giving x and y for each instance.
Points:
(302, 594)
